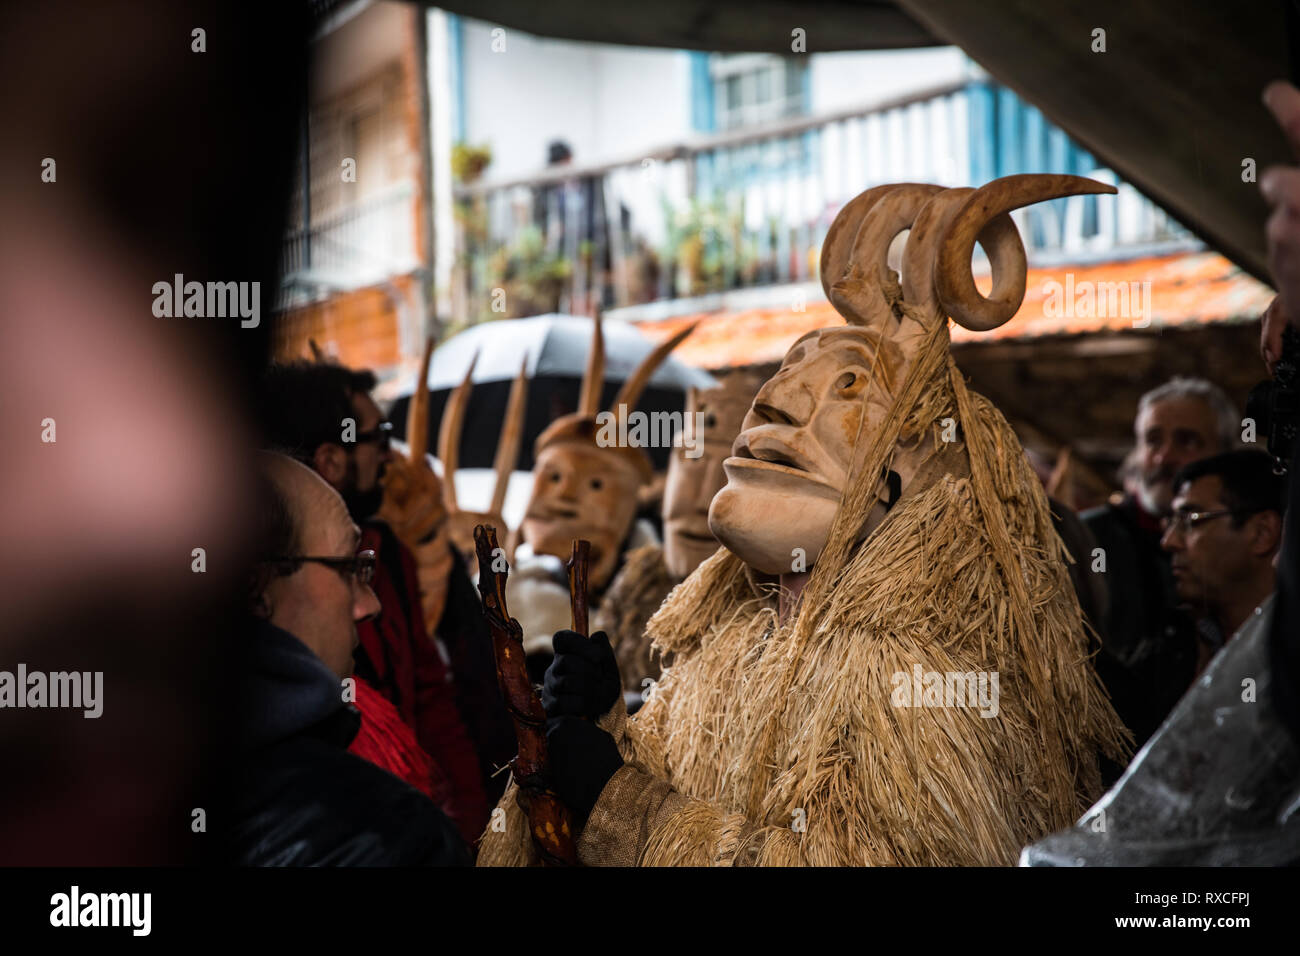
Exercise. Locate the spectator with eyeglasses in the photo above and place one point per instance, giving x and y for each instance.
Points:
(298, 797)
(1148, 643)
(1223, 536)
(322, 414)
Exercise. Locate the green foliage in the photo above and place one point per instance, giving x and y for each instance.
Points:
(468, 162)
(707, 246)
(533, 278)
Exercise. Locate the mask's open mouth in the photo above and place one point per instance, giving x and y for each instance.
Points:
(765, 452)
(769, 450)
(776, 458)
(553, 513)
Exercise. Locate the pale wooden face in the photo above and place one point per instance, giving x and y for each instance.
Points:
(797, 447)
(688, 492)
(581, 491)
(695, 475)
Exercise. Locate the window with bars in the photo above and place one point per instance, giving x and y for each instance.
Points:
(361, 230)
(364, 125)
(751, 88)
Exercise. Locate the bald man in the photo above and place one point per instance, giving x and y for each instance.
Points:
(302, 407)
(299, 798)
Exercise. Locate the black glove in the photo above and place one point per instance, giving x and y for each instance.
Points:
(583, 758)
(583, 679)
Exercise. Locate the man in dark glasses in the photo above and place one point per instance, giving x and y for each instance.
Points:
(1223, 534)
(323, 415)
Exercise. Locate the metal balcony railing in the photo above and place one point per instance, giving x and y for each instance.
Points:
(750, 207)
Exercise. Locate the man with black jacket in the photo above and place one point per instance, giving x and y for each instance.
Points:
(297, 797)
(1148, 656)
(323, 415)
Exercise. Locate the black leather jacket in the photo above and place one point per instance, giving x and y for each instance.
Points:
(296, 796)
(1148, 657)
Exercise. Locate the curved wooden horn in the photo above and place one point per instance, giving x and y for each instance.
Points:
(593, 379)
(512, 433)
(838, 244)
(631, 391)
(859, 295)
(922, 249)
(417, 414)
(453, 421)
(953, 278)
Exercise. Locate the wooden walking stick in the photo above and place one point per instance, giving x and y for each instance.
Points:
(577, 568)
(548, 819)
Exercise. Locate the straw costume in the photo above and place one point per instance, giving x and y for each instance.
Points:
(786, 742)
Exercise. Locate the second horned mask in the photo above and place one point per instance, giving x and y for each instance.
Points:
(581, 488)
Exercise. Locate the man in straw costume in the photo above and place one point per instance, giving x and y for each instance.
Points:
(812, 717)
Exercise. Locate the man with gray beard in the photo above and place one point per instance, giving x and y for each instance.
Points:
(1148, 656)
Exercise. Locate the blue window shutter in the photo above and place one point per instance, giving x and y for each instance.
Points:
(703, 117)
(456, 48)
(1035, 137)
(983, 133)
(1058, 148)
(1010, 157)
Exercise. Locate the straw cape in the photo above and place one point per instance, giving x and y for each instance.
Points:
(769, 743)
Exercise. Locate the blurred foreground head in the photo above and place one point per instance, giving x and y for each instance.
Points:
(126, 161)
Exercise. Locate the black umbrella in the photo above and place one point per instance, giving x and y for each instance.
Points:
(556, 347)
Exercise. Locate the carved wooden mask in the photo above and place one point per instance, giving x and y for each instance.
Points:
(695, 471)
(796, 454)
(582, 489)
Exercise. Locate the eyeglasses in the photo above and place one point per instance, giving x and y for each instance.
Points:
(381, 433)
(361, 566)
(1187, 520)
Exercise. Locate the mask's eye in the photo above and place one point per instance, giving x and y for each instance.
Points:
(846, 381)
(710, 420)
(597, 484)
(555, 477)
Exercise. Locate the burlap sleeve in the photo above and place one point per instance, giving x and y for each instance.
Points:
(631, 808)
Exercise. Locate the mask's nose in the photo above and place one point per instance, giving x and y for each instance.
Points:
(784, 400)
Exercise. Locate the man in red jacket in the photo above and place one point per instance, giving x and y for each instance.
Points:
(323, 414)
